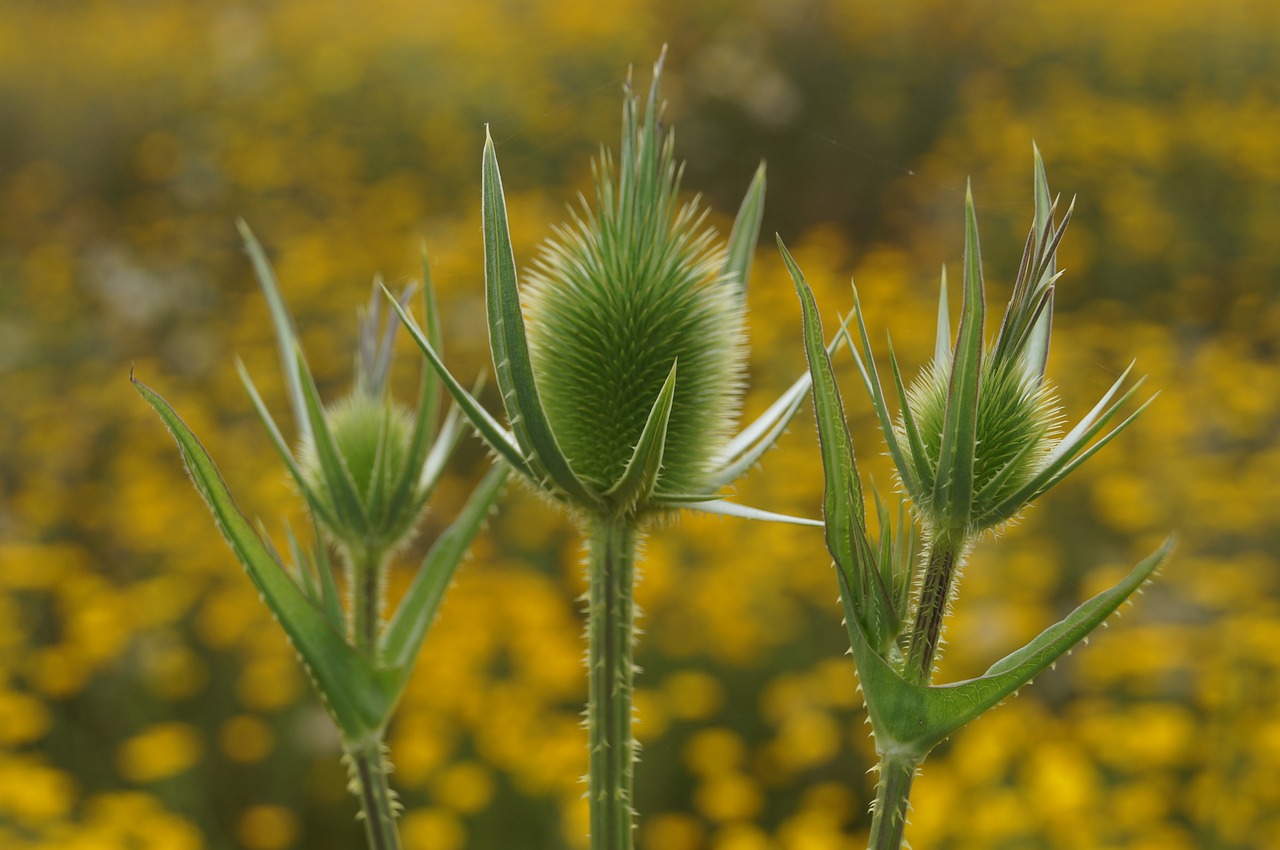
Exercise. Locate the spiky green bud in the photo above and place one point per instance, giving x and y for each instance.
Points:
(1017, 420)
(617, 297)
(373, 436)
(977, 437)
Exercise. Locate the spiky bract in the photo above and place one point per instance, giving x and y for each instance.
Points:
(1017, 423)
(617, 296)
(373, 438)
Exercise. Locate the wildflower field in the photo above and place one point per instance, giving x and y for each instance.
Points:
(148, 701)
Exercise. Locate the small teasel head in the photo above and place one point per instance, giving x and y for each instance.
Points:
(358, 465)
(372, 436)
(1016, 423)
(631, 288)
(365, 464)
(977, 438)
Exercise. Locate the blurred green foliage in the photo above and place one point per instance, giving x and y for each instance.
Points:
(146, 700)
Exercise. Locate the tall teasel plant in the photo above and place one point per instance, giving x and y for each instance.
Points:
(976, 440)
(365, 466)
(621, 389)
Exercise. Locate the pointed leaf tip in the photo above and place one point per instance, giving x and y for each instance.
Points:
(641, 474)
(511, 359)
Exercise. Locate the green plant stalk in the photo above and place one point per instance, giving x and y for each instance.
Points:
(610, 638)
(936, 586)
(366, 572)
(889, 816)
(896, 769)
(369, 769)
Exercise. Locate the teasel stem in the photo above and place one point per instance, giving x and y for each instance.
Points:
(897, 770)
(369, 770)
(889, 817)
(366, 574)
(936, 585)
(610, 639)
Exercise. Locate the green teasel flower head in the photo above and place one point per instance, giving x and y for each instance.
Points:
(978, 434)
(621, 361)
(373, 437)
(630, 291)
(365, 464)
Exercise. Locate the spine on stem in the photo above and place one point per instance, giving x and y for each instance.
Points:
(889, 817)
(378, 804)
(936, 587)
(610, 638)
(366, 577)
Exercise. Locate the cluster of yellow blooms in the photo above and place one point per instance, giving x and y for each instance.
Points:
(147, 700)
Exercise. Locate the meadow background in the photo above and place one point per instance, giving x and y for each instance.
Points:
(148, 701)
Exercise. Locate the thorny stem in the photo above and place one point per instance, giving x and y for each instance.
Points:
(610, 637)
(931, 610)
(366, 571)
(369, 769)
(889, 818)
(893, 791)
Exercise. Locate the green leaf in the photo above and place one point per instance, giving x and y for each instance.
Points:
(1036, 354)
(408, 627)
(842, 505)
(942, 344)
(497, 437)
(286, 334)
(871, 379)
(511, 359)
(313, 501)
(428, 393)
(355, 693)
(306, 571)
(722, 507)
(750, 444)
(915, 442)
(745, 234)
(1071, 451)
(433, 467)
(330, 597)
(342, 489)
(953, 485)
(912, 718)
(641, 473)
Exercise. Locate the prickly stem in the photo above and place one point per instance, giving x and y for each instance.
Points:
(889, 816)
(366, 578)
(937, 585)
(611, 635)
(369, 768)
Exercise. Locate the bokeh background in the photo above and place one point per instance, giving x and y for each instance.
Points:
(148, 701)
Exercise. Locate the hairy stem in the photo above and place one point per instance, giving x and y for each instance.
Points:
(369, 769)
(366, 572)
(931, 610)
(610, 637)
(889, 818)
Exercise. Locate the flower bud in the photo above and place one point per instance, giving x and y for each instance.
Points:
(372, 436)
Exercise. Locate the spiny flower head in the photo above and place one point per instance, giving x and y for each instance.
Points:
(621, 389)
(1017, 420)
(977, 436)
(373, 437)
(621, 295)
